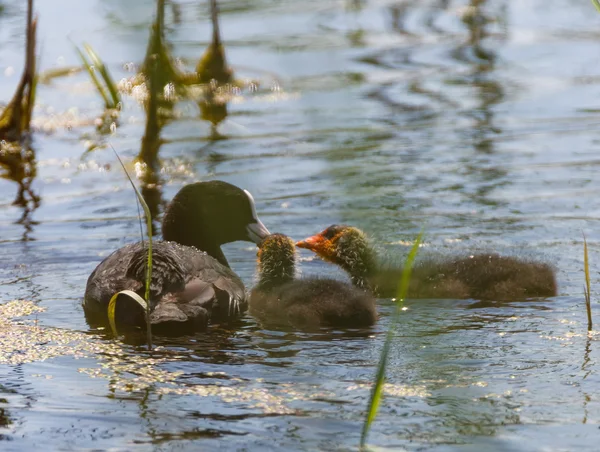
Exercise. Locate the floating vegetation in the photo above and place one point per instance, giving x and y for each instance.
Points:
(395, 390)
(23, 341)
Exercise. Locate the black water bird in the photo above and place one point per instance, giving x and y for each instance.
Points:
(483, 276)
(191, 283)
(281, 299)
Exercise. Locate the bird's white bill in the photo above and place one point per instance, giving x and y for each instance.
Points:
(257, 231)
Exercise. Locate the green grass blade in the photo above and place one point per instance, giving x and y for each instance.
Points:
(377, 391)
(149, 236)
(30, 103)
(112, 306)
(94, 77)
(587, 287)
(108, 80)
(596, 3)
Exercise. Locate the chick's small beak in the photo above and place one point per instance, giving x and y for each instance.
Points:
(314, 243)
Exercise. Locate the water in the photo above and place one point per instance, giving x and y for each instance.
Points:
(480, 124)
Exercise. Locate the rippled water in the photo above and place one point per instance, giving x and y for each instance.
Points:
(477, 120)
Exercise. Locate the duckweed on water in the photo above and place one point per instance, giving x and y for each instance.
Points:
(24, 341)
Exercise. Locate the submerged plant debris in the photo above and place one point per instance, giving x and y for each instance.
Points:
(23, 340)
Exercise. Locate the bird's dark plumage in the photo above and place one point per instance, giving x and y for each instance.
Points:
(280, 299)
(484, 276)
(189, 286)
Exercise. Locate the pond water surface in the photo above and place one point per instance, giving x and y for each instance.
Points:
(478, 121)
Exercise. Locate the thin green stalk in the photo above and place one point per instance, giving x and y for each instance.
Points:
(94, 77)
(596, 3)
(377, 390)
(149, 234)
(108, 80)
(587, 288)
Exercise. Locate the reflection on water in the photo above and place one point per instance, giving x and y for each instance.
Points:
(5, 419)
(163, 81)
(475, 118)
(18, 162)
(17, 157)
(489, 91)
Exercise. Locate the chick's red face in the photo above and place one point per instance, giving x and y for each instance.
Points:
(323, 243)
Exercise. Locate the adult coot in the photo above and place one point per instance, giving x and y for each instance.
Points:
(191, 279)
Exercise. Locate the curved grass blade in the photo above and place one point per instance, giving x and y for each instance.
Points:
(94, 77)
(596, 3)
(108, 80)
(149, 235)
(587, 288)
(112, 306)
(376, 391)
(30, 102)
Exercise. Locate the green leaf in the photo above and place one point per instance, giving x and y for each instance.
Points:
(108, 80)
(596, 3)
(95, 79)
(587, 287)
(112, 306)
(377, 391)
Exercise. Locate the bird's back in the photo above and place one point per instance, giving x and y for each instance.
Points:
(186, 284)
(314, 302)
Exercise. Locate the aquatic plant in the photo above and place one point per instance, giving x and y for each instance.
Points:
(107, 88)
(586, 287)
(158, 59)
(143, 302)
(377, 389)
(162, 80)
(213, 64)
(17, 156)
(17, 159)
(16, 117)
(213, 72)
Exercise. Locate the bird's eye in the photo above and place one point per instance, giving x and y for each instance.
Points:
(331, 232)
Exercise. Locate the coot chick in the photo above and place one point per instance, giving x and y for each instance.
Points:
(191, 279)
(280, 299)
(484, 276)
